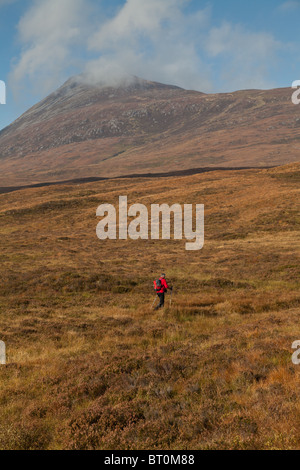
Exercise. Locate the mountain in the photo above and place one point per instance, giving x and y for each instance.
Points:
(84, 130)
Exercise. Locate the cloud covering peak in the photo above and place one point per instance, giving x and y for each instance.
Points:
(158, 40)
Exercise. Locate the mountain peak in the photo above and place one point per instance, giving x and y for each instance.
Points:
(125, 83)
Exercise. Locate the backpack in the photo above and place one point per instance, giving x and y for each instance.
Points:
(158, 285)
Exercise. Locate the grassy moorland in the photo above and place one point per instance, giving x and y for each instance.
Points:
(91, 366)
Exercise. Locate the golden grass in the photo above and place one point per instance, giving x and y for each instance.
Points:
(91, 366)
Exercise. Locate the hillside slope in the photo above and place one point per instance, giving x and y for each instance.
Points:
(83, 130)
(91, 366)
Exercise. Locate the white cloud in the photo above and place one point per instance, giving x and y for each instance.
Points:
(248, 55)
(181, 47)
(47, 33)
(153, 39)
(136, 18)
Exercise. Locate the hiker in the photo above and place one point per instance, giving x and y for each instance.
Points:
(161, 287)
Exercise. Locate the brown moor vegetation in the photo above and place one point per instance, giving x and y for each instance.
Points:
(81, 131)
(91, 366)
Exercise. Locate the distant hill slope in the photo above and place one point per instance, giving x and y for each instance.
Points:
(83, 130)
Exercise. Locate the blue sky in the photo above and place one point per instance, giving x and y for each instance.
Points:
(210, 46)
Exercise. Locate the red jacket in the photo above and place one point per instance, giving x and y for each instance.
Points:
(165, 286)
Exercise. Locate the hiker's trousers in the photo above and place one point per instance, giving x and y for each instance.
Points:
(161, 296)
